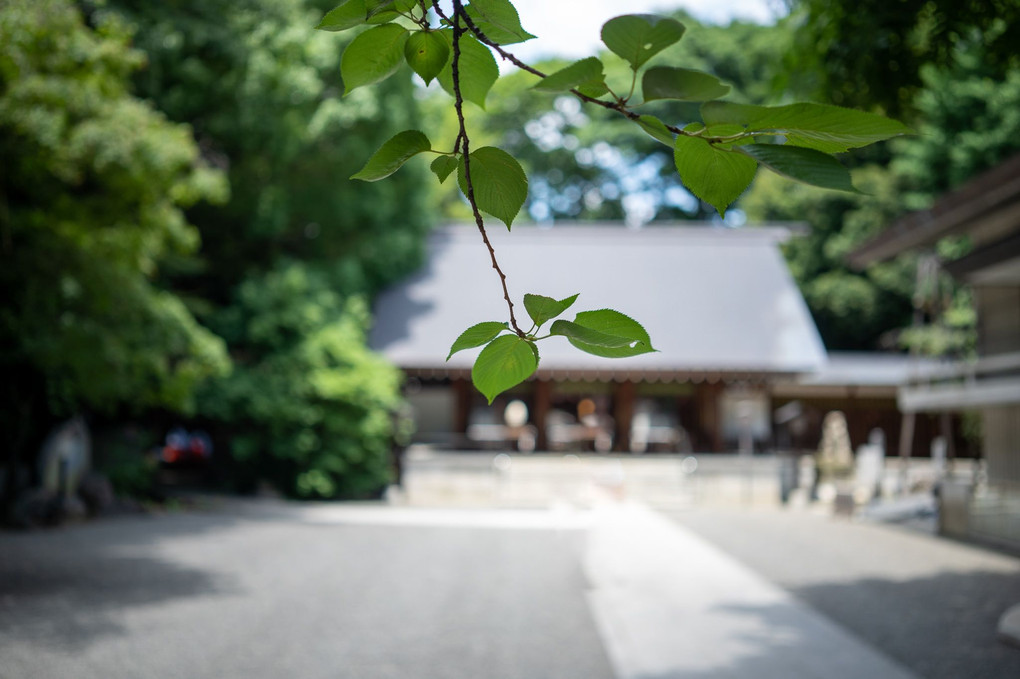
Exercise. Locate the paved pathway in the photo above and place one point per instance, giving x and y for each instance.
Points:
(256, 590)
(930, 603)
(359, 593)
(673, 606)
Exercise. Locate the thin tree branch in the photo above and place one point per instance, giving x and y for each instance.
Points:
(463, 143)
(620, 106)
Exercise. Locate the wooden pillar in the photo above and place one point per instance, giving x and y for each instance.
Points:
(462, 405)
(946, 430)
(540, 410)
(709, 416)
(623, 414)
(906, 448)
(907, 437)
(687, 418)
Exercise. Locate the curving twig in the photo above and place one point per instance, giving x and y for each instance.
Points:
(463, 144)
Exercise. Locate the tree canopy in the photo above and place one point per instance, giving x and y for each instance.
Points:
(871, 53)
(287, 260)
(178, 231)
(178, 234)
(716, 146)
(92, 202)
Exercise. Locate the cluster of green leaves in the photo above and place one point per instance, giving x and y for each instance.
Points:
(584, 163)
(508, 358)
(716, 157)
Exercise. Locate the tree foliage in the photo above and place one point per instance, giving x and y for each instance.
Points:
(287, 259)
(852, 309)
(309, 408)
(968, 120)
(92, 194)
(871, 53)
(258, 85)
(716, 155)
(952, 69)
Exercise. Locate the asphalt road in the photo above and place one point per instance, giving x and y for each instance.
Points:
(217, 594)
(929, 603)
(260, 590)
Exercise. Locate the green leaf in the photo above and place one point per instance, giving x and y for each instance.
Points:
(803, 165)
(426, 53)
(541, 308)
(614, 324)
(728, 113)
(505, 362)
(499, 183)
(714, 175)
(498, 20)
(396, 151)
(586, 72)
(376, 6)
(722, 130)
(373, 56)
(573, 331)
(382, 11)
(593, 89)
(476, 336)
(725, 130)
(478, 69)
(830, 129)
(639, 37)
(443, 166)
(681, 84)
(347, 14)
(656, 129)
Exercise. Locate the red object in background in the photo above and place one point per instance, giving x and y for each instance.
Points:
(184, 448)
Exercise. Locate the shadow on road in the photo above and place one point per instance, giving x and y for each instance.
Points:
(71, 585)
(941, 627)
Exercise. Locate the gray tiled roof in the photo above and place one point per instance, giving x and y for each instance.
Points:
(713, 299)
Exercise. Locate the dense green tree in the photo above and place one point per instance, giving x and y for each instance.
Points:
(91, 195)
(311, 409)
(871, 53)
(262, 91)
(968, 120)
(286, 259)
(951, 70)
(853, 310)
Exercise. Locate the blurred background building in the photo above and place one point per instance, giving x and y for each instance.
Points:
(736, 343)
(986, 212)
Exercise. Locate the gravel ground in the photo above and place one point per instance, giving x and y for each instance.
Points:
(931, 604)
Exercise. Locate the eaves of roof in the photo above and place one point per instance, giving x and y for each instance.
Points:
(985, 208)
